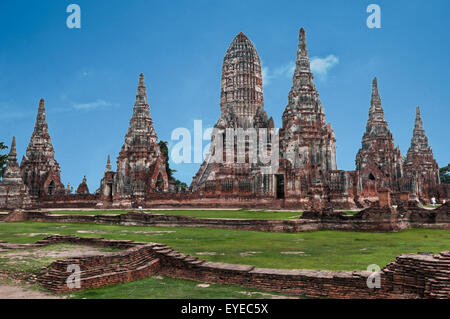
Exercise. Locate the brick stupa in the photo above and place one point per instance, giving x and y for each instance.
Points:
(141, 167)
(420, 166)
(378, 162)
(307, 142)
(40, 171)
(13, 192)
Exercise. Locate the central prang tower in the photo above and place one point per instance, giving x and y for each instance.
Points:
(241, 107)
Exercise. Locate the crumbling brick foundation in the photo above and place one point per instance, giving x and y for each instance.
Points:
(409, 276)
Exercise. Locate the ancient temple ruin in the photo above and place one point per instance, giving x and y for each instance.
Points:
(420, 167)
(307, 142)
(378, 162)
(233, 166)
(13, 192)
(83, 187)
(40, 171)
(249, 164)
(141, 167)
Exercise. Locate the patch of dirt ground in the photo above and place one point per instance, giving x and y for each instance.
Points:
(57, 253)
(17, 292)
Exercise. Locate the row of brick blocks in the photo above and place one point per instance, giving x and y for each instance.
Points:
(409, 276)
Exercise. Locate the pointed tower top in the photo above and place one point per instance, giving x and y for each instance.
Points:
(13, 153)
(241, 37)
(302, 61)
(418, 125)
(40, 127)
(375, 83)
(302, 35)
(376, 110)
(141, 86)
(240, 43)
(12, 171)
(141, 106)
(108, 164)
(302, 42)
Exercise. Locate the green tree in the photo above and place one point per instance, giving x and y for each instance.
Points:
(163, 146)
(3, 158)
(444, 172)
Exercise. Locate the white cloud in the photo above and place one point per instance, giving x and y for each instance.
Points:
(286, 70)
(265, 75)
(321, 66)
(92, 105)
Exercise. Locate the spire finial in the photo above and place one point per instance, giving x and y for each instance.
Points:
(108, 164)
(41, 108)
(302, 42)
(13, 152)
(418, 125)
(376, 110)
(302, 34)
(302, 62)
(40, 127)
(141, 92)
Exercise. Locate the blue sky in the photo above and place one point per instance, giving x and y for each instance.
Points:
(89, 76)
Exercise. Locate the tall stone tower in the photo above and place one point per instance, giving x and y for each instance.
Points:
(40, 171)
(241, 107)
(141, 167)
(13, 192)
(241, 96)
(378, 163)
(307, 143)
(420, 167)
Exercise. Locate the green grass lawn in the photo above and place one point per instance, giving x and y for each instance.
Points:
(330, 250)
(244, 214)
(162, 287)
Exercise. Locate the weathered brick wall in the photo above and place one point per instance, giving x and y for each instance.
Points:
(374, 219)
(137, 261)
(410, 276)
(425, 218)
(67, 201)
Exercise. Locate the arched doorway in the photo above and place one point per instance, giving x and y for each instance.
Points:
(51, 188)
(159, 183)
(279, 179)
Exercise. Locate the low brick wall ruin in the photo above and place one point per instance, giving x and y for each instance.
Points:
(373, 219)
(409, 276)
(135, 262)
